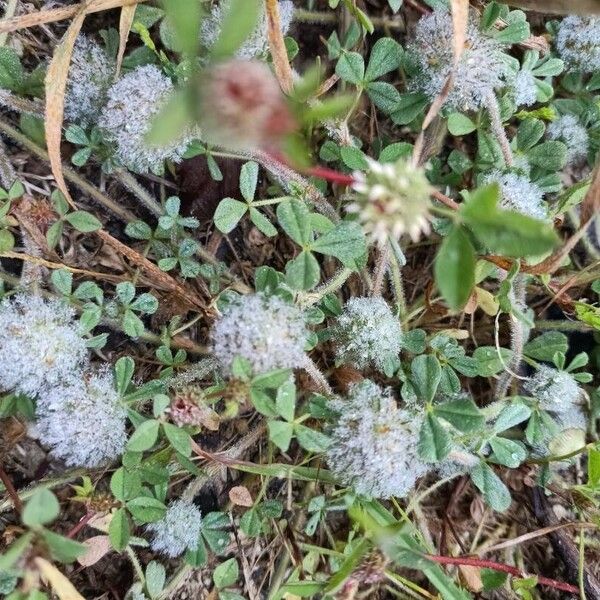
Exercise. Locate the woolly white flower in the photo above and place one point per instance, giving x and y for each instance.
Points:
(556, 390)
(39, 344)
(391, 199)
(178, 530)
(569, 130)
(127, 117)
(525, 89)
(482, 67)
(374, 444)
(82, 420)
(91, 73)
(268, 332)
(256, 44)
(518, 193)
(367, 333)
(578, 43)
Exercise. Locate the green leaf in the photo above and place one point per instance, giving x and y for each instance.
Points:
(226, 573)
(62, 280)
(119, 530)
(184, 17)
(145, 303)
(132, 324)
(512, 415)
(11, 71)
(434, 441)
(238, 22)
(248, 180)
(174, 115)
(124, 369)
(83, 221)
(411, 105)
(353, 158)
(495, 493)
(228, 214)
(285, 401)
(351, 68)
(155, 578)
(507, 452)
(346, 241)
(459, 124)
(394, 152)
(125, 485)
(303, 272)
(146, 509)
(179, 438)
(545, 346)
(462, 413)
(426, 373)
(294, 218)
(550, 156)
(454, 268)
(144, 437)
(7, 241)
(530, 132)
(384, 95)
(489, 361)
(280, 433)
(62, 549)
(310, 439)
(262, 223)
(386, 56)
(593, 468)
(42, 508)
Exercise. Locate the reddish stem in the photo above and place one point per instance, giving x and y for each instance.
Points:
(445, 200)
(82, 523)
(10, 488)
(330, 175)
(490, 564)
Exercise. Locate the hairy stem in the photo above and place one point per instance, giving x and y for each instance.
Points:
(491, 104)
(311, 368)
(139, 191)
(332, 285)
(381, 267)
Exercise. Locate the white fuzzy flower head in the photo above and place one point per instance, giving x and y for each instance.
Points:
(569, 130)
(39, 344)
(82, 420)
(374, 444)
(556, 390)
(90, 75)
(367, 333)
(178, 530)
(392, 199)
(519, 194)
(578, 43)
(482, 67)
(256, 44)
(525, 89)
(133, 103)
(266, 331)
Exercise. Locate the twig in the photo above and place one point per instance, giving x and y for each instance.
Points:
(503, 568)
(12, 492)
(283, 71)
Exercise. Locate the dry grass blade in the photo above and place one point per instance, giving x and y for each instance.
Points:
(60, 14)
(125, 22)
(56, 82)
(559, 7)
(590, 206)
(277, 47)
(61, 586)
(460, 17)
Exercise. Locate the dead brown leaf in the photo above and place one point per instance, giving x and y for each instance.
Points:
(240, 496)
(125, 22)
(460, 17)
(97, 547)
(281, 64)
(559, 7)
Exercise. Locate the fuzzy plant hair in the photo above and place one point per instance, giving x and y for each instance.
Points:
(569, 130)
(265, 330)
(178, 530)
(90, 76)
(391, 199)
(133, 102)
(256, 44)
(40, 345)
(519, 193)
(525, 90)
(482, 68)
(557, 391)
(578, 43)
(82, 420)
(367, 334)
(374, 443)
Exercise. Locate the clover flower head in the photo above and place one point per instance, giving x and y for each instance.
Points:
(367, 333)
(265, 330)
(91, 73)
(569, 130)
(374, 443)
(556, 390)
(525, 89)
(578, 43)
(520, 194)
(39, 344)
(392, 199)
(256, 44)
(178, 530)
(82, 420)
(127, 118)
(481, 69)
